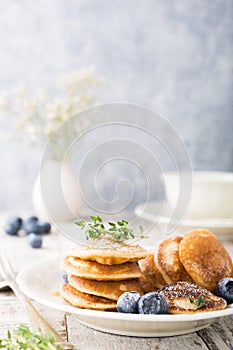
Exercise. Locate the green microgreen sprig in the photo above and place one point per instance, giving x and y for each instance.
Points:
(200, 302)
(119, 231)
(24, 338)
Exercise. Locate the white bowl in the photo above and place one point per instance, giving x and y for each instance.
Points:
(211, 195)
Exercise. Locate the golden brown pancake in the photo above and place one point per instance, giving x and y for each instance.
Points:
(100, 272)
(178, 297)
(154, 278)
(167, 261)
(85, 301)
(205, 258)
(107, 289)
(146, 285)
(106, 251)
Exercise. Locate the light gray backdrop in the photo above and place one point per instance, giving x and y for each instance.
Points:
(171, 55)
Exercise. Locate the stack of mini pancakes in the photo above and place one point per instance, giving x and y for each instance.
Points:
(100, 271)
(180, 268)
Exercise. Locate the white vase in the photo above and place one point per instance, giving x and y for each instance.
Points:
(56, 192)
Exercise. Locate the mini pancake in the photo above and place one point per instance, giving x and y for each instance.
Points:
(154, 278)
(107, 289)
(146, 285)
(182, 297)
(106, 251)
(205, 258)
(85, 301)
(167, 261)
(93, 270)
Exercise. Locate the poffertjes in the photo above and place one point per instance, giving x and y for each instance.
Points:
(108, 252)
(107, 289)
(204, 258)
(100, 272)
(153, 279)
(84, 300)
(167, 260)
(182, 297)
(185, 270)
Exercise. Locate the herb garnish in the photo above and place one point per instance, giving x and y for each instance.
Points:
(200, 302)
(118, 231)
(23, 338)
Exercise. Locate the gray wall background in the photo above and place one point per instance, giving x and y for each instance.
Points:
(171, 55)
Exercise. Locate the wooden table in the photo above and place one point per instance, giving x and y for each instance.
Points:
(219, 336)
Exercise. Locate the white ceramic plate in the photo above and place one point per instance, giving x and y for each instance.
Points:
(155, 212)
(38, 280)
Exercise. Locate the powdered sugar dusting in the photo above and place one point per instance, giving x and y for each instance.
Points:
(183, 289)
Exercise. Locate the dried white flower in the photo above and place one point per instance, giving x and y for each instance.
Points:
(4, 103)
(39, 117)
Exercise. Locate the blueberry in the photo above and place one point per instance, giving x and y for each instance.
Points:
(11, 230)
(32, 227)
(32, 219)
(45, 227)
(152, 303)
(34, 240)
(224, 289)
(128, 302)
(15, 222)
(13, 225)
(65, 277)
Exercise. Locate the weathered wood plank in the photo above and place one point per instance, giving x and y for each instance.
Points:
(55, 318)
(86, 338)
(11, 313)
(219, 335)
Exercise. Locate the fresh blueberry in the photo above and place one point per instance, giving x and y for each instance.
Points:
(128, 302)
(13, 225)
(34, 240)
(45, 227)
(32, 227)
(224, 289)
(152, 303)
(11, 230)
(15, 222)
(32, 219)
(65, 277)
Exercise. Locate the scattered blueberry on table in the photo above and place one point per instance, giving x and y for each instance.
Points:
(13, 225)
(45, 227)
(128, 302)
(32, 227)
(224, 289)
(34, 240)
(10, 230)
(31, 219)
